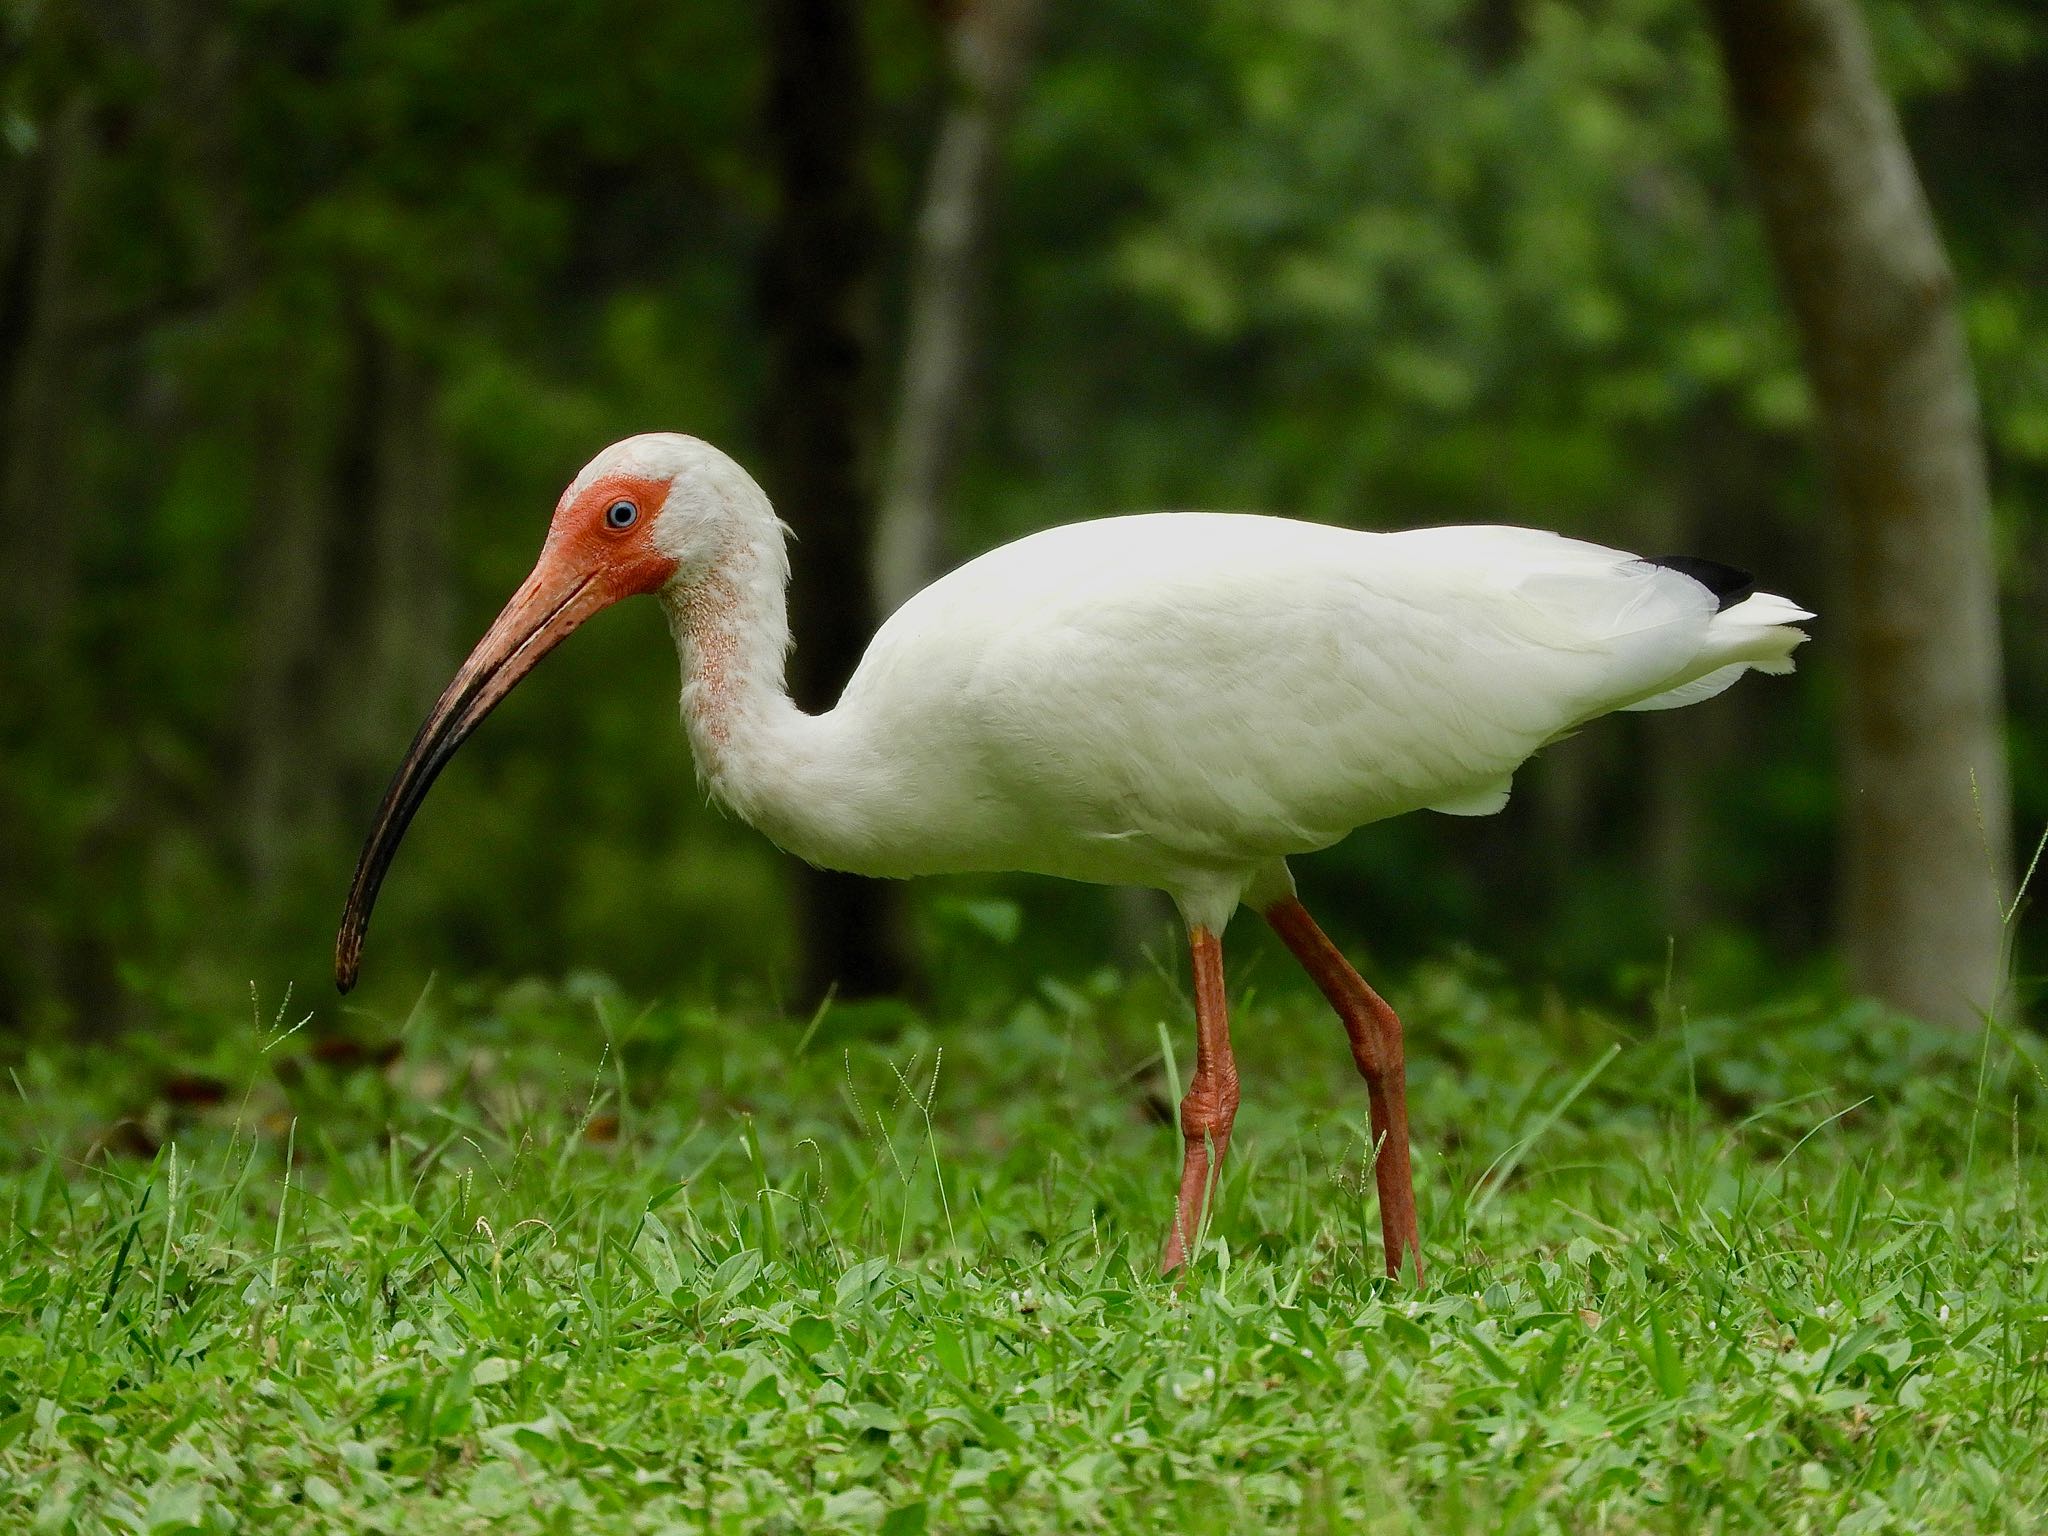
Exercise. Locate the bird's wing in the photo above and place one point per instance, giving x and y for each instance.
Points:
(1241, 686)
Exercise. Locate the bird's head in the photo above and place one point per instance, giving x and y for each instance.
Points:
(647, 512)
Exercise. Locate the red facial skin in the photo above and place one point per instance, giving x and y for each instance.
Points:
(622, 562)
(585, 566)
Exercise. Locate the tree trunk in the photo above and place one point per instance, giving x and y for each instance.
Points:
(41, 367)
(990, 50)
(1925, 779)
(1677, 748)
(818, 265)
(388, 589)
(349, 619)
(287, 780)
(42, 380)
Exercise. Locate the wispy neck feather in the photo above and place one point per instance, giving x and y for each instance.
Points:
(772, 764)
(731, 627)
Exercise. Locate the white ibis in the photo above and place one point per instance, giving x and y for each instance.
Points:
(1176, 700)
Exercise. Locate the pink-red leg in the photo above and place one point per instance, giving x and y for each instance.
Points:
(1375, 1032)
(1210, 1104)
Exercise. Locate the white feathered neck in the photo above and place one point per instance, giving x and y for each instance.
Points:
(783, 771)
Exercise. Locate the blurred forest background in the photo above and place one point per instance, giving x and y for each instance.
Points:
(309, 308)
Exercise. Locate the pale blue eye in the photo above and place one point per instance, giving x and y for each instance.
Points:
(621, 514)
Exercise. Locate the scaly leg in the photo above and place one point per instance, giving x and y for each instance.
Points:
(1375, 1033)
(1210, 1105)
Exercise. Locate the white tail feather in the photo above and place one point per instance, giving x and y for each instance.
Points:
(1756, 633)
(1762, 608)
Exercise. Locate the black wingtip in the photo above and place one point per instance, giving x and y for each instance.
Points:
(1727, 583)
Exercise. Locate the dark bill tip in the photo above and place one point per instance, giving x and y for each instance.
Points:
(348, 959)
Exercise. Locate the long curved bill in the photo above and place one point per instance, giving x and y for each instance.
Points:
(546, 608)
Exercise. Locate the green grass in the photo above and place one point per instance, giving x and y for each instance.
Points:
(569, 1265)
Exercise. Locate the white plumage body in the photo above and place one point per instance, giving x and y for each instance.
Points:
(1181, 700)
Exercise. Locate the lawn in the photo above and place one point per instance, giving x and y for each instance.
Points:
(549, 1260)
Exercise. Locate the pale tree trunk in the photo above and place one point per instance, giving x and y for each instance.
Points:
(1925, 780)
(818, 268)
(989, 47)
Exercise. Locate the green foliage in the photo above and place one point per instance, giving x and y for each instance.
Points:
(565, 1263)
(1408, 226)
